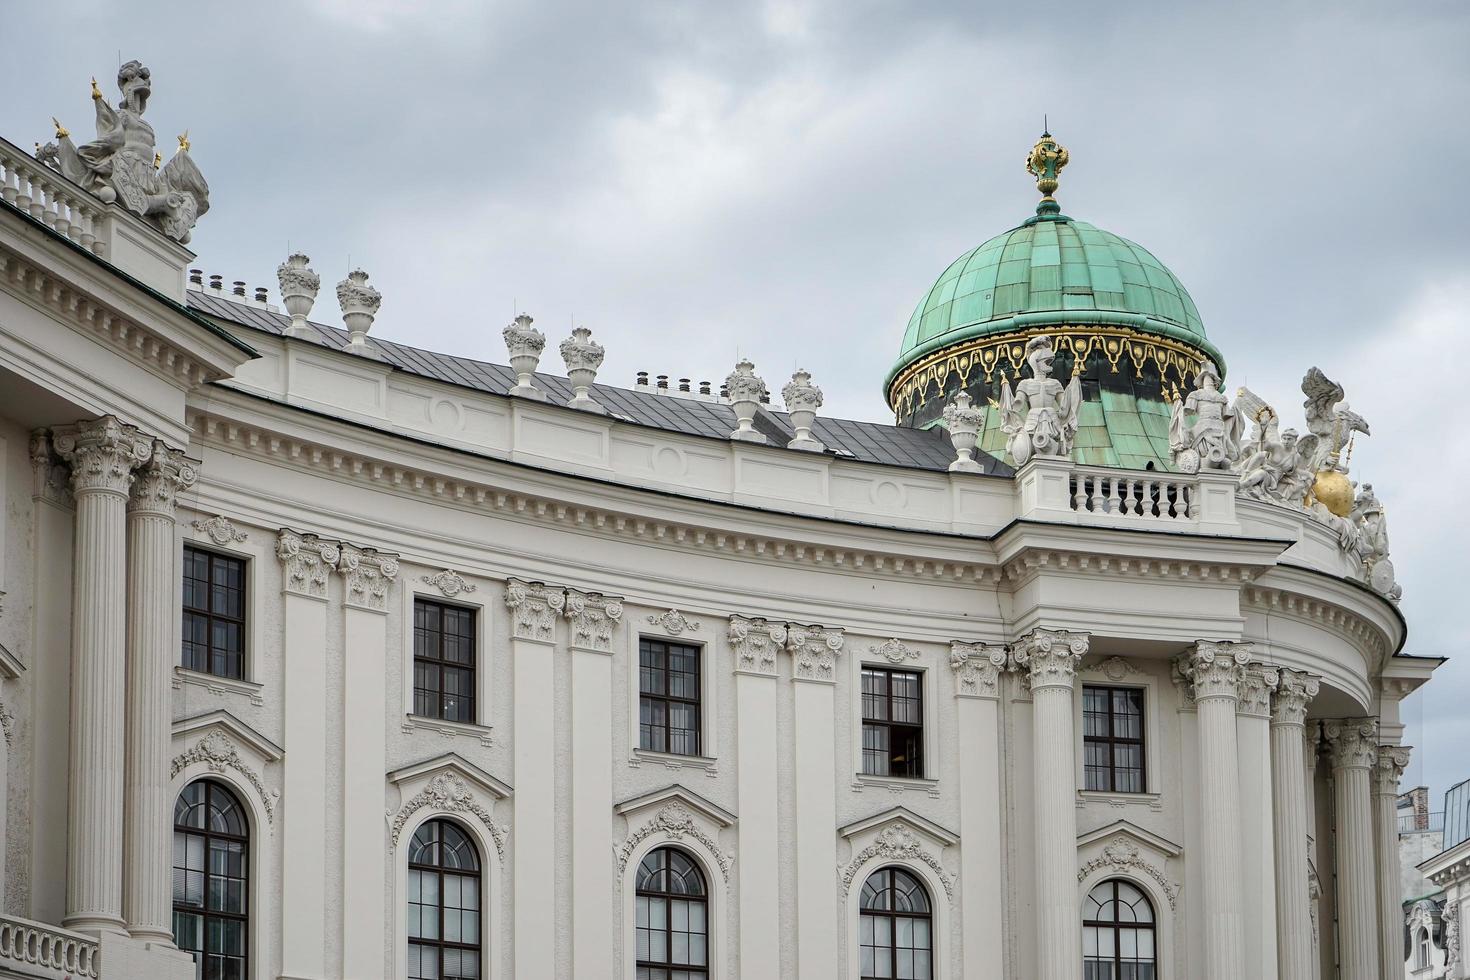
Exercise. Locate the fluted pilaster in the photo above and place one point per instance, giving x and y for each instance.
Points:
(152, 614)
(1050, 659)
(102, 455)
(1353, 744)
(1387, 769)
(1217, 672)
(1289, 806)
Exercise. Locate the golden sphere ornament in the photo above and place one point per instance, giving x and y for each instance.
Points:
(1334, 491)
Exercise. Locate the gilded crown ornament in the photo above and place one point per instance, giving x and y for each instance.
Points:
(1045, 163)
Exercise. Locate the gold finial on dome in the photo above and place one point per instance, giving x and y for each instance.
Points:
(1045, 163)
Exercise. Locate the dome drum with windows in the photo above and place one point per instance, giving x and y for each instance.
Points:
(1116, 316)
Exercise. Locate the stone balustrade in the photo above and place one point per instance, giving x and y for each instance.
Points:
(1142, 495)
(47, 196)
(35, 949)
(1056, 489)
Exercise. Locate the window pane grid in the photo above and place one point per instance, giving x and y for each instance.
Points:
(210, 874)
(214, 613)
(443, 904)
(1113, 739)
(443, 661)
(671, 928)
(893, 722)
(895, 940)
(669, 696)
(1118, 934)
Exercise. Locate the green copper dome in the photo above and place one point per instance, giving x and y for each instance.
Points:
(1055, 270)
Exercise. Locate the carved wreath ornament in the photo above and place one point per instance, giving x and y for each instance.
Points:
(674, 821)
(218, 753)
(1121, 854)
(898, 843)
(448, 793)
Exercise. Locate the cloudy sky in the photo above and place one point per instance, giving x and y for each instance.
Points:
(786, 179)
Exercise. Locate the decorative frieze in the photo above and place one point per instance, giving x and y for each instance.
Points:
(895, 651)
(755, 643)
(1215, 669)
(897, 842)
(1295, 689)
(449, 582)
(1122, 855)
(534, 607)
(157, 482)
(307, 561)
(369, 574)
(1049, 657)
(1256, 687)
(674, 821)
(593, 618)
(102, 452)
(217, 753)
(1389, 768)
(448, 792)
(675, 623)
(814, 651)
(977, 668)
(1352, 742)
(220, 529)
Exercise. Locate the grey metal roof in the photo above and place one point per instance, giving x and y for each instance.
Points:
(871, 442)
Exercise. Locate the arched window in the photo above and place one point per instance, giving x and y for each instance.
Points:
(672, 918)
(1117, 934)
(895, 931)
(443, 904)
(211, 887)
(1421, 946)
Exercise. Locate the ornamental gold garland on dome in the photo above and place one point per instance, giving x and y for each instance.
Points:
(1007, 353)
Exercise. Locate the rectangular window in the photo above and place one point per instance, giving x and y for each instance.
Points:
(669, 697)
(1112, 739)
(893, 722)
(443, 661)
(214, 613)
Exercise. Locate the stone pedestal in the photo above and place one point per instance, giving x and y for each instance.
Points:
(1050, 658)
(153, 618)
(1289, 807)
(1354, 747)
(102, 455)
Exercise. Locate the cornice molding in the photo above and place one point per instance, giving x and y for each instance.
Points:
(1272, 600)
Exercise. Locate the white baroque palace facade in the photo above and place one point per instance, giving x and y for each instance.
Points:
(326, 657)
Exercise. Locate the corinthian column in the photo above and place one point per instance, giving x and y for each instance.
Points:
(153, 614)
(1354, 746)
(1392, 759)
(977, 669)
(1217, 671)
(1050, 658)
(1289, 808)
(102, 455)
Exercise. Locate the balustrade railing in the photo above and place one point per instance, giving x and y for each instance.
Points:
(47, 952)
(45, 195)
(1142, 495)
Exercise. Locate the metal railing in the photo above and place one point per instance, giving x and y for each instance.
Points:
(1421, 823)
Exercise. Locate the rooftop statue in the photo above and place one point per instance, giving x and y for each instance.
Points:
(1212, 440)
(1333, 423)
(1040, 417)
(121, 164)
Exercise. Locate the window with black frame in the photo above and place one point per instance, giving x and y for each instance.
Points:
(668, 697)
(895, 930)
(211, 873)
(893, 722)
(443, 661)
(444, 901)
(214, 613)
(1118, 934)
(671, 921)
(1112, 739)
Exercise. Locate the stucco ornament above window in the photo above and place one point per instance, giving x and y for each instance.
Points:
(122, 165)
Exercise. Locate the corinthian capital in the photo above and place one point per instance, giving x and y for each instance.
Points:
(369, 573)
(1389, 768)
(814, 651)
(48, 471)
(306, 561)
(977, 668)
(755, 644)
(1215, 669)
(534, 608)
(102, 452)
(1256, 687)
(157, 483)
(593, 616)
(1050, 657)
(1294, 691)
(1353, 742)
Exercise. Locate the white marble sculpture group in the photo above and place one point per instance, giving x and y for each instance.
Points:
(122, 165)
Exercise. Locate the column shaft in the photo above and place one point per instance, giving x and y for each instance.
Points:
(1390, 766)
(1353, 754)
(153, 617)
(1289, 809)
(1258, 864)
(102, 455)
